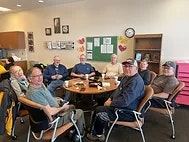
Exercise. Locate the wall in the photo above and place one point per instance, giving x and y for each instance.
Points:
(104, 18)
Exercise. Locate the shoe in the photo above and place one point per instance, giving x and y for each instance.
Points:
(96, 138)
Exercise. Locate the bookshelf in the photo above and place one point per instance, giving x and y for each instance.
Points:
(148, 46)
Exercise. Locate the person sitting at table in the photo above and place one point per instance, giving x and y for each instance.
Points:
(19, 82)
(144, 72)
(55, 74)
(128, 96)
(114, 68)
(164, 84)
(38, 93)
(82, 68)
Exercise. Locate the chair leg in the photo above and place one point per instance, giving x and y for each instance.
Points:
(29, 131)
(110, 130)
(73, 121)
(13, 136)
(171, 119)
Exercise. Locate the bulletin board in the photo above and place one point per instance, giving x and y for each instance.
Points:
(101, 48)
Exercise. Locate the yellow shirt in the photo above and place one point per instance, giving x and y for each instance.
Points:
(2, 69)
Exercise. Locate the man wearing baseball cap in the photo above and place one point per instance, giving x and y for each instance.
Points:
(164, 84)
(127, 96)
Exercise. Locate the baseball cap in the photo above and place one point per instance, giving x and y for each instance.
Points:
(130, 61)
(170, 64)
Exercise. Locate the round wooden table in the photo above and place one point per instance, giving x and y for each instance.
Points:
(81, 86)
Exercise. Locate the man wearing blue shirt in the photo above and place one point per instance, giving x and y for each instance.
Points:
(55, 74)
(82, 68)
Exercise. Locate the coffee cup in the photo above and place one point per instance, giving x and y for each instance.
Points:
(103, 76)
(116, 78)
(66, 83)
(86, 76)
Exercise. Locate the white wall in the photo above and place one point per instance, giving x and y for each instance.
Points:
(104, 18)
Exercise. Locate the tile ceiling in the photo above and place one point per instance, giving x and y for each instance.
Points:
(29, 4)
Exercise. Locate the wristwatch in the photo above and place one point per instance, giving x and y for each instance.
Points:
(129, 32)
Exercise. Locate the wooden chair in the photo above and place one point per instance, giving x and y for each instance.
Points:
(41, 123)
(142, 108)
(169, 108)
(153, 75)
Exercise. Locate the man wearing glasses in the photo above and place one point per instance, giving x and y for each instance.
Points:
(127, 96)
(164, 84)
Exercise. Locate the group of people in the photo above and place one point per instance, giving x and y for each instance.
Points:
(127, 95)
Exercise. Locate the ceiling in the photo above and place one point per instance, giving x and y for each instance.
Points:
(29, 4)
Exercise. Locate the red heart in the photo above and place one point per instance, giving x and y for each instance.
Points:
(122, 48)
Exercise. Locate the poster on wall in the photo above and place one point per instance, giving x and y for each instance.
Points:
(57, 25)
(30, 41)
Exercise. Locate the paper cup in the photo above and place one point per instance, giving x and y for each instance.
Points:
(66, 83)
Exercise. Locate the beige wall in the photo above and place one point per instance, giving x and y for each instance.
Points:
(103, 18)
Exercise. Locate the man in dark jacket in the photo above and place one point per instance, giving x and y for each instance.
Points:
(127, 96)
(55, 74)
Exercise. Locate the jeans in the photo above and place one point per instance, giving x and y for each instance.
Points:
(79, 116)
(54, 85)
(102, 115)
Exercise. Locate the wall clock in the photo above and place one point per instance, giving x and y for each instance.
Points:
(129, 32)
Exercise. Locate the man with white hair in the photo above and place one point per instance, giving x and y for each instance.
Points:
(114, 68)
(82, 68)
(55, 74)
(127, 96)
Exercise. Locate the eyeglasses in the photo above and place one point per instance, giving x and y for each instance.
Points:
(128, 66)
(167, 68)
(37, 75)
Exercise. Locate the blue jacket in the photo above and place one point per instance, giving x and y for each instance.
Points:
(52, 70)
(129, 93)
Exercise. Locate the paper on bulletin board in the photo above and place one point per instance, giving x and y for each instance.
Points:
(103, 48)
(89, 45)
(109, 48)
(96, 41)
(89, 55)
(107, 40)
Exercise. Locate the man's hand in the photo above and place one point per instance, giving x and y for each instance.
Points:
(108, 102)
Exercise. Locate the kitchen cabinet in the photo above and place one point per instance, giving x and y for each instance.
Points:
(12, 40)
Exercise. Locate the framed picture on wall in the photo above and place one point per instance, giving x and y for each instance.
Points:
(138, 56)
(65, 29)
(156, 57)
(147, 57)
(47, 31)
(57, 25)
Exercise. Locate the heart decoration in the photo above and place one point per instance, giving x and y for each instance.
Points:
(81, 41)
(81, 48)
(122, 47)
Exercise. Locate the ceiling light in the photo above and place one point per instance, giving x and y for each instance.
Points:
(4, 9)
(19, 5)
(41, 1)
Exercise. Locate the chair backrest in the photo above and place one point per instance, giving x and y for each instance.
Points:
(147, 96)
(153, 75)
(176, 91)
(38, 116)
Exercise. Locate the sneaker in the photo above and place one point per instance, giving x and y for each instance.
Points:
(96, 138)
(77, 138)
